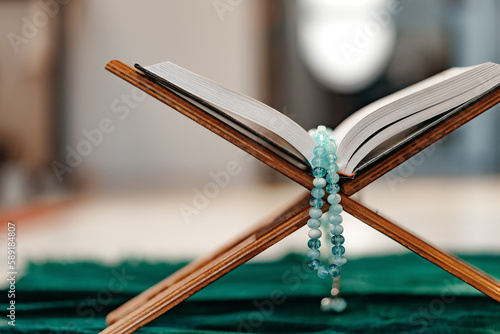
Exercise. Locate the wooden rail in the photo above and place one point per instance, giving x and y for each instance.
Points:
(195, 276)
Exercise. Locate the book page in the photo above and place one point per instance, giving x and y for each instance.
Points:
(241, 105)
(409, 107)
(343, 128)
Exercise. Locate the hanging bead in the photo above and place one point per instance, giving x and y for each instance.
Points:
(313, 254)
(315, 213)
(338, 240)
(317, 193)
(332, 178)
(324, 169)
(319, 151)
(319, 182)
(332, 168)
(319, 171)
(313, 223)
(323, 272)
(338, 250)
(339, 260)
(314, 233)
(314, 244)
(336, 229)
(321, 138)
(314, 264)
(334, 270)
(333, 199)
(332, 188)
(317, 162)
(331, 146)
(335, 219)
(330, 159)
(335, 209)
(316, 203)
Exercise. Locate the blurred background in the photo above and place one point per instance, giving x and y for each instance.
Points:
(91, 167)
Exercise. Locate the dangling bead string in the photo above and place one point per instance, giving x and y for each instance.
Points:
(334, 302)
(325, 170)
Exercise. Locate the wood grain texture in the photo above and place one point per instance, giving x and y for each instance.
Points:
(189, 280)
(208, 121)
(171, 293)
(455, 266)
(184, 283)
(204, 262)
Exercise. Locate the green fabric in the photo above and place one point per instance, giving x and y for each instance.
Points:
(395, 294)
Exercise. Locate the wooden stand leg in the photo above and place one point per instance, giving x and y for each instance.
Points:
(205, 262)
(462, 270)
(194, 277)
(184, 283)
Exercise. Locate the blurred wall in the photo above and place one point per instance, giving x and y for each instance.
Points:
(29, 56)
(149, 144)
(23, 69)
(100, 133)
(431, 37)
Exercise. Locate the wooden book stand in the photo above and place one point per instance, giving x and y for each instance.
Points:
(155, 301)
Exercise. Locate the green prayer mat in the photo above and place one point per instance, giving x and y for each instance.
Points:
(393, 294)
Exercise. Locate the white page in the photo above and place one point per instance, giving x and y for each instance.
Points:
(239, 104)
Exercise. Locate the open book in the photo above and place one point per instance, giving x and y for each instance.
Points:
(363, 138)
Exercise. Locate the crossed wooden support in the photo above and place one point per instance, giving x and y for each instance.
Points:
(160, 298)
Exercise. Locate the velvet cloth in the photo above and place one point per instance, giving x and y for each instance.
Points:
(392, 294)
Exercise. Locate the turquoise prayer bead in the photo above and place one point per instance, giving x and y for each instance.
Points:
(323, 272)
(338, 250)
(319, 171)
(318, 162)
(314, 233)
(335, 219)
(319, 182)
(332, 178)
(335, 209)
(332, 168)
(315, 213)
(339, 260)
(313, 254)
(336, 230)
(338, 240)
(333, 199)
(318, 192)
(319, 151)
(332, 188)
(314, 264)
(316, 203)
(322, 139)
(325, 170)
(330, 158)
(334, 270)
(331, 146)
(314, 243)
(313, 223)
